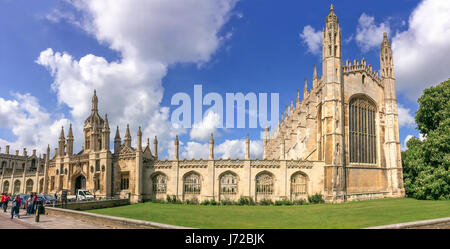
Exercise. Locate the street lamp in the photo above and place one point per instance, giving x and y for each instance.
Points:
(95, 184)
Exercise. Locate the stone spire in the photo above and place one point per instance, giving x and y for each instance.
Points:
(117, 141)
(127, 139)
(106, 123)
(305, 90)
(70, 135)
(105, 134)
(265, 140)
(48, 152)
(61, 135)
(155, 147)
(285, 114)
(292, 106)
(315, 76)
(139, 140)
(247, 148)
(61, 143)
(211, 147)
(386, 60)
(94, 103)
(70, 141)
(176, 145)
(117, 134)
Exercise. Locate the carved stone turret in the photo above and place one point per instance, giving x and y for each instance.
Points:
(247, 148)
(70, 140)
(176, 144)
(117, 141)
(127, 139)
(211, 147)
(155, 147)
(61, 142)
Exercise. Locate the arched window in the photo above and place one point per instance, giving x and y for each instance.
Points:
(191, 184)
(363, 79)
(29, 186)
(228, 184)
(362, 131)
(16, 187)
(264, 185)
(4, 164)
(6, 187)
(298, 185)
(159, 184)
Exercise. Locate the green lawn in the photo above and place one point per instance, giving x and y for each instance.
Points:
(357, 214)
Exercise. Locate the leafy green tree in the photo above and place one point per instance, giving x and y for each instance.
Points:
(426, 163)
(434, 107)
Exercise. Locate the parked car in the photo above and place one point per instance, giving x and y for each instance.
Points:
(50, 199)
(46, 199)
(81, 195)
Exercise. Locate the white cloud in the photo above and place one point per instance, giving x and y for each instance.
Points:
(209, 124)
(313, 39)
(163, 31)
(236, 149)
(404, 147)
(405, 119)
(422, 53)
(194, 150)
(149, 36)
(228, 149)
(57, 15)
(368, 34)
(30, 123)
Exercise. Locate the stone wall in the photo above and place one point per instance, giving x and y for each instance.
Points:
(86, 205)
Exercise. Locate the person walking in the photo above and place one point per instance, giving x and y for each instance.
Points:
(30, 204)
(5, 198)
(15, 207)
(2, 199)
(35, 199)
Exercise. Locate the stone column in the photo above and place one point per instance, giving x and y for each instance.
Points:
(37, 175)
(46, 167)
(247, 148)
(139, 166)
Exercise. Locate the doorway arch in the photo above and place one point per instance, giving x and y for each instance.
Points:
(80, 183)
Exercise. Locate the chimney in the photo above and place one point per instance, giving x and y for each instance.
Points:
(7, 149)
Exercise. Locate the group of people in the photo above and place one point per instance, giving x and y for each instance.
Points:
(16, 201)
(15, 206)
(31, 203)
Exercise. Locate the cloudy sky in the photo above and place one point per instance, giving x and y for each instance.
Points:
(137, 54)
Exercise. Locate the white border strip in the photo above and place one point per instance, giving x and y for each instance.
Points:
(414, 224)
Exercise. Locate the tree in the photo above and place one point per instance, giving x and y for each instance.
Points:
(426, 163)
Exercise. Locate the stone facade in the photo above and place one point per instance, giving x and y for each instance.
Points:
(340, 140)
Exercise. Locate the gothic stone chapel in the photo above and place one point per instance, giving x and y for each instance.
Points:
(340, 140)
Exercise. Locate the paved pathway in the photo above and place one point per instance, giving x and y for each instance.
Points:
(45, 222)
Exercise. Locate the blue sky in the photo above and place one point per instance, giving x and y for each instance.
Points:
(249, 46)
